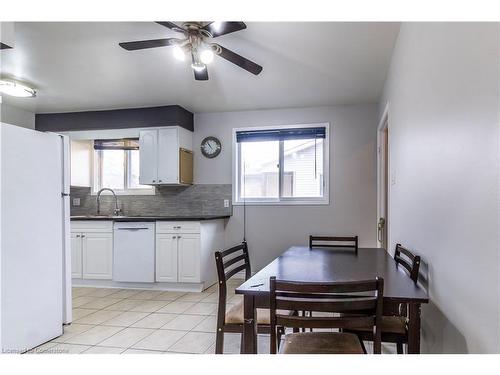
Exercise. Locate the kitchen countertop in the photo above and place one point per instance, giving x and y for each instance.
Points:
(149, 218)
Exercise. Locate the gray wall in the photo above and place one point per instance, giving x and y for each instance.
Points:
(17, 116)
(443, 94)
(271, 229)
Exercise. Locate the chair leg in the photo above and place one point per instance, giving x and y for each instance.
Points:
(219, 341)
(280, 333)
(242, 343)
(362, 345)
(295, 329)
(399, 346)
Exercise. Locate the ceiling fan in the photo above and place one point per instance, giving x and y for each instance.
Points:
(196, 45)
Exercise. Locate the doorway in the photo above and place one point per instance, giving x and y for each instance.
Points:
(383, 239)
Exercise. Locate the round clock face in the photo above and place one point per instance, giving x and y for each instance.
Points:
(210, 147)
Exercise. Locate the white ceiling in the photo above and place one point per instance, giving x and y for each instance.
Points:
(79, 66)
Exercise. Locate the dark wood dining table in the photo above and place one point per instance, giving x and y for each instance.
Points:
(300, 263)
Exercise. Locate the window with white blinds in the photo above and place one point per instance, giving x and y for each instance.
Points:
(281, 165)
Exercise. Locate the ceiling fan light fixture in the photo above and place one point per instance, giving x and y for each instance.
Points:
(16, 89)
(199, 67)
(206, 56)
(179, 53)
(196, 43)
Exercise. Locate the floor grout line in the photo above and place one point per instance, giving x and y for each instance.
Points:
(203, 317)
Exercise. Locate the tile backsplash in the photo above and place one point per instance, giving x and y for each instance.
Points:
(194, 200)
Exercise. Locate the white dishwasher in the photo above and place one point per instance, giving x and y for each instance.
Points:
(134, 251)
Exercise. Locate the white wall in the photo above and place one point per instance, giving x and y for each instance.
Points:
(17, 116)
(271, 229)
(81, 162)
(443, 90)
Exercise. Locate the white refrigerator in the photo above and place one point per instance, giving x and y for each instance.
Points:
(35, 255)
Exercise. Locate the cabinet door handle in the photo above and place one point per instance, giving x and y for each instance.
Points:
(159, 181)
(178, 236)
(174, 237)
(82, 235)
(78, 236)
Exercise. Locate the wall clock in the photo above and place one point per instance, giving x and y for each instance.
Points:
(211, 147)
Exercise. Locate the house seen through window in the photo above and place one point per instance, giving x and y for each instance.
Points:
(281, 165)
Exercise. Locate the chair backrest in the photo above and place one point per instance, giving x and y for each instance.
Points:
(359, 302)
(408, 260)
(345, 242)
(229, 262)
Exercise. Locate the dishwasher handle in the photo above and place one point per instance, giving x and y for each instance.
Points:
(132, 228)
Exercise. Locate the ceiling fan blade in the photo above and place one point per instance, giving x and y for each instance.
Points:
(152, 43)
(238, 60)
(201, 75)
(171, 26)
(219, 28)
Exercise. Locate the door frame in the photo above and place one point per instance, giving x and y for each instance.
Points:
(384, 125)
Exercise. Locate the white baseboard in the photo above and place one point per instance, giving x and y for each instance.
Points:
(171, 287)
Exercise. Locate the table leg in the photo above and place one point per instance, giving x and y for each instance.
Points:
(414, 328)
(249, 326)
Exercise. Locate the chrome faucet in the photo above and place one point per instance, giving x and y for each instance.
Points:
(116, 211)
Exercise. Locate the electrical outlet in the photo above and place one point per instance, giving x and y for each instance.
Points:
(226, 203)
(76, 201)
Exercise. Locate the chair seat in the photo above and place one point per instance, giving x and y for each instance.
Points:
(321, 343)
(389, 324)
(236, 313)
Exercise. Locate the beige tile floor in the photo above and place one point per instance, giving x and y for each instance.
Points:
(122, 321)
(115, 321)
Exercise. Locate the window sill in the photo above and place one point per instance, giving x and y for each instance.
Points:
(312, 202)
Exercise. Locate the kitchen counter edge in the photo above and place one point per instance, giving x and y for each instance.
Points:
(148, 218)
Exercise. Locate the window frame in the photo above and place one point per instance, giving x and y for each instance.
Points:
(97, 177)
(281, 200)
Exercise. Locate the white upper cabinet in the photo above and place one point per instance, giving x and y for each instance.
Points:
(148, 166)
(168, 156)
(159, 155)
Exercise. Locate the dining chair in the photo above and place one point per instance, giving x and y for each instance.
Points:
(394, 324)
(230, 262)
(344, 242)
(359, 303)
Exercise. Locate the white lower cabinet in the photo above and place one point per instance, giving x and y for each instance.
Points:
(184, 251)
(92, 250)
(166, 257)
(97, 256)
(76, 255)
(178, 257)
(188, 258)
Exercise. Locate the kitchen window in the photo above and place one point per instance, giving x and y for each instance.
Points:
(281, 165)
(116, 166)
